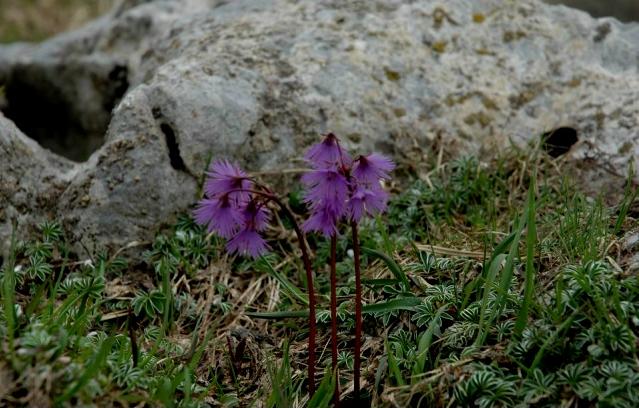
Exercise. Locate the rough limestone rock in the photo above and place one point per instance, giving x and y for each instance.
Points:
(178, 82)
(624, 10)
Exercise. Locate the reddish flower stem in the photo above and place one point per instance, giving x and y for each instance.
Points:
(312, 329)
(306, 260)
(358, 311)
(334, 318)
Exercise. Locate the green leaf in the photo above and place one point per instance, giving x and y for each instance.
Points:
(531, 242)
(630, 195)
(379, 282)
(407, 303)
(491, 276)
(324, 393)
(553, 337)
(286, 314)
(425, 341)
(393, 367)
(97, 362)
(291, 290)
(390, 263)
(8, 292)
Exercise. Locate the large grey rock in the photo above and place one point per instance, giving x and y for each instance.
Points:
(257, 80)
(624, 10)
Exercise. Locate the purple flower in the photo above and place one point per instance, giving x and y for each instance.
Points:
(367, 200)
(326, 153)
(372, 168)
(225, 177)
(327, 188)
(256, 215)
(233, 212)
(219, 216)
(326, 196)
(322, 220)
(247, 242)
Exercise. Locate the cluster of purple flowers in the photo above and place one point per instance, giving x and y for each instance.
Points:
(233, 210)
(339, 187)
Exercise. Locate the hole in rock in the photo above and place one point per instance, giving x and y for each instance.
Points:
(174, 149)
(559, 141)
(65, 106)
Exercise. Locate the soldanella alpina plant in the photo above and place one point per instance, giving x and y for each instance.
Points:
(340, 190)
(235, 208)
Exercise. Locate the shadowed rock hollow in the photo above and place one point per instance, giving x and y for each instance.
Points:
(179, 82)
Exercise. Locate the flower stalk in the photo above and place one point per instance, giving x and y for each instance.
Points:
(312, 322)
(358, 312)
(334, 318)
(236, 210)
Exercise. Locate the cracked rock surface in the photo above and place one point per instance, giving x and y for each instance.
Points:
(156, 88)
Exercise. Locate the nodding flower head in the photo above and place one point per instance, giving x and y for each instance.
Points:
(256, 215)
(247, 242)
(219, 215)
(372, 168)
(322, 220)
(225, 177)
(327, 153)
(233, 210)
(326, 188)
(370, 200)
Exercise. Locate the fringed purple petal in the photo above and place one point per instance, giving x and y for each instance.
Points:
(247, 242)
(323, 221)
(256, 215)
(203, 213)
(327, 188)
(367, 201)
(219, 216)
(372, 168)
(327, 154)
(225, 177)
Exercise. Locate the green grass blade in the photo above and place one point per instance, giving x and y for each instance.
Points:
(393, 366)
(291, 290)
(286, 314)
(324, 393)
(425, 341)
(498, 256)
(8, 291)
(97, 362)
(542, 350)
(390, 263)
(507, 274)
(531, 243)
(168, 296)
(407, 303)
(629, 197)
(379, 282)
(491, 277)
